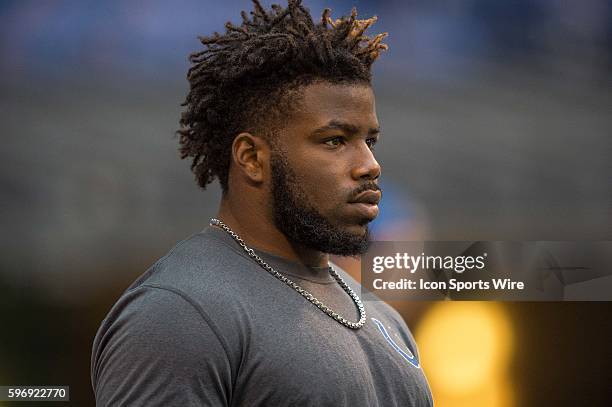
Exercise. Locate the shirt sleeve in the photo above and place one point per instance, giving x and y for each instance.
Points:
(156, 348)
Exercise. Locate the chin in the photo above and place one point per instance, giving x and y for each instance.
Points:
(358, 230)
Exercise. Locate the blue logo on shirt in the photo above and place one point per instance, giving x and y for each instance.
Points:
(406, 354)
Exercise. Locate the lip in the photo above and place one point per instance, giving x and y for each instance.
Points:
(365, 210)
(369, 197)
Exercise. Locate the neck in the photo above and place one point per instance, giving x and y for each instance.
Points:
(256, 228)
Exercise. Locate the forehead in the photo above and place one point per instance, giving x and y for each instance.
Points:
(323, 102)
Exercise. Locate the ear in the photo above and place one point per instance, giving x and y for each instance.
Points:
(250, 154)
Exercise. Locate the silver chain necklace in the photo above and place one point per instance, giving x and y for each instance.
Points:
(300, 290)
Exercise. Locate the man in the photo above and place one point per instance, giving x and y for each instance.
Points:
(250, 312)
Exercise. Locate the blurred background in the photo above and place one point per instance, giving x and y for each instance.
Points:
(496, 118)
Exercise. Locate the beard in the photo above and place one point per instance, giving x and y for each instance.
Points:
(297, 219)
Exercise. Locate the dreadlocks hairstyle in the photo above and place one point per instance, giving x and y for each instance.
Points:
(246, 79)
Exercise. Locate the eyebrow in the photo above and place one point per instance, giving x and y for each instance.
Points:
(346, 127)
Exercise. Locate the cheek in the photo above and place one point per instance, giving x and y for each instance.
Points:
(322, 187)
(325, 193)
(322, 179)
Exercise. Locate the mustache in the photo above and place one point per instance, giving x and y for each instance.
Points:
(368, 186)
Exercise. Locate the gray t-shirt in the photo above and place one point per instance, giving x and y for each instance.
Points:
(206, 325)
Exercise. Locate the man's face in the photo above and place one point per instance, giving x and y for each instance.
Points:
(324, 174)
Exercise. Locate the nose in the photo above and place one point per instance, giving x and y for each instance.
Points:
(366, 166)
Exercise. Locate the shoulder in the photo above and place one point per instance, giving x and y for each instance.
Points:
(147, 311)
(202, 263)
(153, 345)
(191, 294)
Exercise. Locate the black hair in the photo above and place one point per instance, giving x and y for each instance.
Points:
(242, 80)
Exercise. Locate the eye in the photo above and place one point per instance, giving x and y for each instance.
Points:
(334, 142)
(371, 142)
